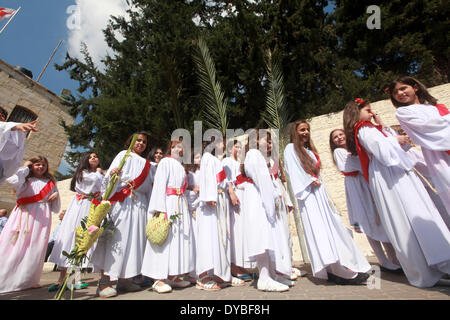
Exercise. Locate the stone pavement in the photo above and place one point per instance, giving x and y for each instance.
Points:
(391, 287)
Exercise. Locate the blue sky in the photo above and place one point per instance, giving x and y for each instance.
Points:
(33, 34)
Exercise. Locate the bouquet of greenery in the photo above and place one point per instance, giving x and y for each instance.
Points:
(91, 227)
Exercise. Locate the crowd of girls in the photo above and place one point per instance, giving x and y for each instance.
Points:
(230, 215)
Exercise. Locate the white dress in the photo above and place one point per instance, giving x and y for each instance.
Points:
(120, 255)
(12, 149)
(78, 209)
(24, 239)
(427, 128)
(360, 204)
(193, 203)
(232, 169)
(213, 222)
(414, 227)
(328, 241)
(266, 231)
(176, 255)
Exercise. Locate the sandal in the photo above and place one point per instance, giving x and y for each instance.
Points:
(106, 292)
(236, 282)
(177, 282)
(246, 277)
(211, 285)
(164, 288)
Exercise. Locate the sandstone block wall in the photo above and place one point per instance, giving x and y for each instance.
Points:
(16, 89)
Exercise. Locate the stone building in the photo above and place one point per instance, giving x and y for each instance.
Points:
(26, 100)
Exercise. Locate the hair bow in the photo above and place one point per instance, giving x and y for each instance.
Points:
(359, 101)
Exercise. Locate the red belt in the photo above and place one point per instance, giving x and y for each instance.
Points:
(350, 174)
(241, 179)
(177, 191)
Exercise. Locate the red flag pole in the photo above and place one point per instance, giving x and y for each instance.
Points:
(16, 11)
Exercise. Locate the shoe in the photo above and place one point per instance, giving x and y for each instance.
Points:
(360, 279)
(298, 272)
(246, 277)
(81, 285)
(107, 292)
(284, 281)
(208, 286)
(191, 279)
(178, 284)
(165, 288)
(396, 271)
(336, 279)
(54, 287)
(127, 286)
(293, 276)
(271, 285)
(143, 281)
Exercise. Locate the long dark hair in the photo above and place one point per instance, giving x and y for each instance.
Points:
(422, 93)
(82, 165)
(351, 118)
(46, 174)
(147, 147)
(307, 162)
(151, 154)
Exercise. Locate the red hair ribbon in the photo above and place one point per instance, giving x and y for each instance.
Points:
(359, 101)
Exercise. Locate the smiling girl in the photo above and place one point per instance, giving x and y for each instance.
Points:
(23, 241)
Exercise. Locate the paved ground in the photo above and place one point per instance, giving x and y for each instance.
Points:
(388, 287)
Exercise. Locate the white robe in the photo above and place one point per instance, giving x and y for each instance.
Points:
(414, 227)
(328, 241)
(176, 255)
(120, 256)
(360, 204)
(427, 128)
(78, 209)
(262, 205)
(12, 149)
(213, 222)
(24, 239)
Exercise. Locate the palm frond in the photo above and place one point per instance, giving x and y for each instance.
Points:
(276, 115)
(214, 104)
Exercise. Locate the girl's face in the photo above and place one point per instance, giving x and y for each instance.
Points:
(265, 143)
(39, 169)
(93, 161)
(140, 144)
(236, 150)
(303, 132)
(338, 138)
(406, 94)
(365, 114)
(158, 155)
(177, 151)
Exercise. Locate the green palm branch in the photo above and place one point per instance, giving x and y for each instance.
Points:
(276, 115)
(214, 103)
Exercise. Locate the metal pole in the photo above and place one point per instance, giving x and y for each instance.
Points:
(51, 57)
(4, 27)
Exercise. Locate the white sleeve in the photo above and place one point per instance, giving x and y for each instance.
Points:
(158, 197)
(299, 179)
(425, 126)
(17, 181)
(345, 162)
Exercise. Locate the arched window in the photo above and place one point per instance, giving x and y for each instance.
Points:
(21, 114)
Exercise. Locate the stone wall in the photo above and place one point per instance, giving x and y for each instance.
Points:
(16, 89)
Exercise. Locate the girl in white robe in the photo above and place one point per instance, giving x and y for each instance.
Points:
(87, 183)
(213, 261)
(266, 241)
(120, 255)
(427, 123)
(333, 253)
(232, 165)
(360, 205)
(24, 239)
(411, 221)
(167, 262)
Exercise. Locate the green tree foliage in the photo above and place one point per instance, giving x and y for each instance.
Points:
(327, 56)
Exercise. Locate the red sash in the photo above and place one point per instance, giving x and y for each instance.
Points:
(363, 157)
(274, 171)
(121, 195)
(443, 111)
(350, 174)
(240, 179)
(317, 163)
(37, 197)
(84, 196)
(221, 176)
(177, 191)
